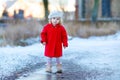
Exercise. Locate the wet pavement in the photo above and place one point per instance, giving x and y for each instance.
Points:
(101, 63)
(72, 72)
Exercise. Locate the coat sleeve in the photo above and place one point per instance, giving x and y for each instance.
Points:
(64, 37)
(43, 35)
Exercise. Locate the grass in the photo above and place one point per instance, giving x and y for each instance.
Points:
(86, 29)
(21, 30)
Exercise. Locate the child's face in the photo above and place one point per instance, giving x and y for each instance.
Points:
(55, 20)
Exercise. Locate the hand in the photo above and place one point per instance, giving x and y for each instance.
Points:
(64, 47)
(44, 43)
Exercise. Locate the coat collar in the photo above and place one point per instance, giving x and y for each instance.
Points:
(57, 25)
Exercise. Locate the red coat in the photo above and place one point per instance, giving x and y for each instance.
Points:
(54, 37)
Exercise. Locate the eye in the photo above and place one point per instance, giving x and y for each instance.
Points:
(58, 18)
(54, 18)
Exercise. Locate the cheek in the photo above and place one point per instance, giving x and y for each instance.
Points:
(52, 20)
(58, 21)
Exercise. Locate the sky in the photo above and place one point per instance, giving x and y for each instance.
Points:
(94, 52)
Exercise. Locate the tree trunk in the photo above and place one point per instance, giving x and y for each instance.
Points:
(83, 9)
(95, 10)
(45, 2)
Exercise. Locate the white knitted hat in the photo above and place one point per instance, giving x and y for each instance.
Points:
(55, 14)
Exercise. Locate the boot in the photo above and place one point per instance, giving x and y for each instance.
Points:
(59, 68)
(49, 68)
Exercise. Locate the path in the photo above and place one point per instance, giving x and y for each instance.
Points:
(91, 62)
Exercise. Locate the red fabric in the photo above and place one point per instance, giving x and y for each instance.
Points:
(54, 37)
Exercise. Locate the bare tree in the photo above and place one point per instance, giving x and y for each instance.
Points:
(95, 10)
(45, 2)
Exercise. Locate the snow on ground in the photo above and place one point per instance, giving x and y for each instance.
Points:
(15, 58)
(87, 52)
(91, 51)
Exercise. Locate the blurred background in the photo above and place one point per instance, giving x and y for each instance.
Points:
(34, 8)
(22, 20)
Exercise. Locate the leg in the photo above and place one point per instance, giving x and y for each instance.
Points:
(59, 65)
(49, 65)
(58, 61)
(49, 61)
